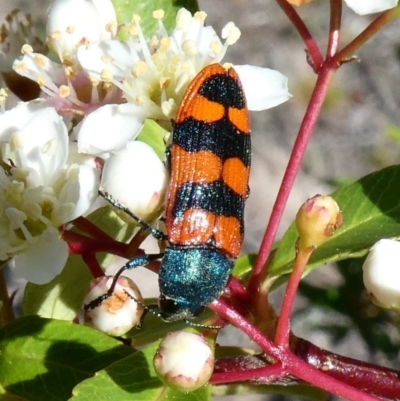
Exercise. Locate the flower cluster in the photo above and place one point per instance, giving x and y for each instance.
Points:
(92, 106)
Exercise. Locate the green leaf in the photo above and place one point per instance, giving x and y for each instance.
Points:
(62, 297)
(133, 378)
(144, 8)
(154, 135)
(371, 211)
(43, 359)
(393, 132)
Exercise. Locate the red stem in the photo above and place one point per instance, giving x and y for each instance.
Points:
(314, 56)
(292, 169)
(283, 328)
(271, 373)
(334, 28)
(292, 364)
(93, 264)
(91, 229)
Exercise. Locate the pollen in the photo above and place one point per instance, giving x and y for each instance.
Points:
(26, 49)
(106, 59)
(106, 75)
(154, 41)
(41, 81)
(139, 69)
(165, 43)
(189, 48)
(158, 14)
(40, 60)
(20, 67)
(231, 33)
(64, 91)
(136, 19)
(200, 16)
(70, 29)
(215, 47)
(164, 82)
(56, 35)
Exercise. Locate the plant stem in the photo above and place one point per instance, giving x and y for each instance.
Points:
(292, 364)
(283, 328)
(334, 28)
(375, 26)
(314, 56)
(292, 169)
(272, 373)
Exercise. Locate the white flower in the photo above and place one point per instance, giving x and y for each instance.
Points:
(136, 178)
(154, 74)
(382, 274)
(184, 361)
(364, 7)
(120, 312)
(41, 189)
(72, 23)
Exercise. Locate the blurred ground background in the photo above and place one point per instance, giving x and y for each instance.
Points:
(351, 139)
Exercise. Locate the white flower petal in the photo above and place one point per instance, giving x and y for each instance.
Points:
(110, 127)
(42, 146)
(43, 260)
(111, 55)
(264, 88)
(106, 15)
(381, 273)
(81, 191)
(71, 23)
(363, 7)
(19, 116)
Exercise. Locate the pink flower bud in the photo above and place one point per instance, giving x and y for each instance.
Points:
(381, 274)
(184, 361)
(317, 219)
(119, 313)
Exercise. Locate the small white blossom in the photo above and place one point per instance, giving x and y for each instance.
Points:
(137, 178)
(71, 23)
(121, 311)
(381, 274)
(41, 189)
(364, 7)
(184, 361)
(153, 74)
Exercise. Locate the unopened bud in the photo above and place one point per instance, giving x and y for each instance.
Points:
(136, 178)
(184, 361)
(117, 314)
(381, 274)
(317, 219)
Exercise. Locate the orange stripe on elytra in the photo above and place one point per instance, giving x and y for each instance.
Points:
(193, 89)
(240, 119)
(196, 227)
(236, 176)
(199, 167)
(227, 235)
(203, 109)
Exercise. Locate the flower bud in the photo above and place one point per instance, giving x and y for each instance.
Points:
(317, 219)
(136, 178)
(184, 361)
(381, 274)
(119, 313)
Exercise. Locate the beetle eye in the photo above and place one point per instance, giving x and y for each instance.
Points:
(167, 305)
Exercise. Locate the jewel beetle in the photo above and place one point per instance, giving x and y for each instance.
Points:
(209, 161)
